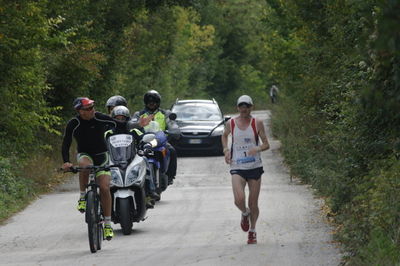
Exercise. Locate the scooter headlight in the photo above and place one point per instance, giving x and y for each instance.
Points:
(116, 178)
(133, 175)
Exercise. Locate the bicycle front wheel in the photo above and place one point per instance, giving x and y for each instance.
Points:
(91, 220)
(99, 235)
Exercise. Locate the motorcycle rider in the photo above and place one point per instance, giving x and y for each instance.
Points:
(115, 100)
(88, 129)
(152, 111)
(121, 116)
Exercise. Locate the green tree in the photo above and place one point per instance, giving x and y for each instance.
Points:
(237, 55)
(23, 109)
(162, 52)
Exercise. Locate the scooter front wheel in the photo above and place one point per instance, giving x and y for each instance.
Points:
(124, 206)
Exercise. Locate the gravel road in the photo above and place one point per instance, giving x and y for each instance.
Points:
(195, 223)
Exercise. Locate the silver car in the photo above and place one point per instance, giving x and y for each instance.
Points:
(201, 124)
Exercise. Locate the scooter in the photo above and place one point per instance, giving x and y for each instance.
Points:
(127, 181)
(159, 158)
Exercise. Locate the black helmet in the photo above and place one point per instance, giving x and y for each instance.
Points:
(152, 96)
(80, 102)
(120, 110)
(115, 101)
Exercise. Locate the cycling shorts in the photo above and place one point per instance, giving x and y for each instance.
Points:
(99, 159)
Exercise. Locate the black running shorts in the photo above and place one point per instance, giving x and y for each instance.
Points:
(249, 174)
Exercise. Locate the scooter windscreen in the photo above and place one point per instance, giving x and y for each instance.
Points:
(121, 149)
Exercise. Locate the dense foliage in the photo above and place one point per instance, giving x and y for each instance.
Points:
(336, 64)
(339, 119)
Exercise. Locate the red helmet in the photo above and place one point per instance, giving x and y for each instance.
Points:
(82, 102)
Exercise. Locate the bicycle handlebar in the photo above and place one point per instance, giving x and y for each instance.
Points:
(76, 169)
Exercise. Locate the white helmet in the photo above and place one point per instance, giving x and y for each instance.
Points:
(120, 110)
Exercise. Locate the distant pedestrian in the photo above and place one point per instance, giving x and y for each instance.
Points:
(273, 93)
(245, 162)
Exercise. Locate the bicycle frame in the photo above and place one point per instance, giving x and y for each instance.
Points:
(93, 213)
(92, 186)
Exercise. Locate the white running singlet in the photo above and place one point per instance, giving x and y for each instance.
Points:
(242, 142)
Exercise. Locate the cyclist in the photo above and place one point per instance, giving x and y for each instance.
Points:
(88, 128)
(152, 111)
(115, 100)
(121, 116)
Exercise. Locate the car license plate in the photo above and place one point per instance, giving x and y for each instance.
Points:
(194, 141)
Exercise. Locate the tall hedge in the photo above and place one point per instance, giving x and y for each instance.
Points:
(338, 117)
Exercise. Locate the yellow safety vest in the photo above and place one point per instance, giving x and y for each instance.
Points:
(159, 117)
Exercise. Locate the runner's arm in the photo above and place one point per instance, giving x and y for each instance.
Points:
(224, 141)
(263, 136)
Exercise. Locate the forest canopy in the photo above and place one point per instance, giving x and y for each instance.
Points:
(336, 64)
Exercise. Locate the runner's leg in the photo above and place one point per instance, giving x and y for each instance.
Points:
(254, 192)
(238, 186)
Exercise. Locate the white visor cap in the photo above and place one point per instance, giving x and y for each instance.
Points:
(244, 99)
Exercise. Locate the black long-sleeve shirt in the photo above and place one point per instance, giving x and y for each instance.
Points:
(89, 134)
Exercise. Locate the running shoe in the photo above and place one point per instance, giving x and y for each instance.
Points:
(252, 238)
(244, 223)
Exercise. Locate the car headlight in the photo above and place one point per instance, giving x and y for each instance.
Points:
(218, 131)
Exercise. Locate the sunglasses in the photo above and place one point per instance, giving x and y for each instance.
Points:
(245, 105)
(87, 109)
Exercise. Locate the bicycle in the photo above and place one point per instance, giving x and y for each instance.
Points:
(93, 214)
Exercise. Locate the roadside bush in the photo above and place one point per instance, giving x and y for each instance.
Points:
(15, 191)
(374, 216)
(380, 251)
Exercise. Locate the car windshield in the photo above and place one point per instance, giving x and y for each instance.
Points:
(197, 112)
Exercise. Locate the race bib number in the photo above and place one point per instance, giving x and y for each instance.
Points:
(121, 140)
(242, 156)
(246, 160)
